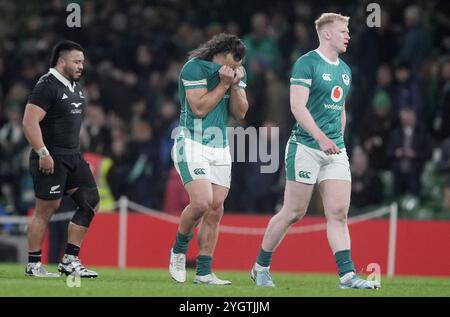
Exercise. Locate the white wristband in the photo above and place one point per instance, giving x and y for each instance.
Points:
(42, 152)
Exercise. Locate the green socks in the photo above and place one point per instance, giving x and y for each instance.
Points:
(344, 262)
(181, 243)
(264, 258)
(204, 265)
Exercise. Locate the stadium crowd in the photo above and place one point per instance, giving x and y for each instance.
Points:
(398, 111)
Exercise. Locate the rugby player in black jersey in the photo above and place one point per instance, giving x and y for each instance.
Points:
(51, 123)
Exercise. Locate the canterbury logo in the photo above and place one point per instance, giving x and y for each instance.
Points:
(76, 104)
(304, 174)
(199, 171)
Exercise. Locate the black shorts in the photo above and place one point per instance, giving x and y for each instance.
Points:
(70, 171)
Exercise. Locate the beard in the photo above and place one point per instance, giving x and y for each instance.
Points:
(72, 74)
(75, 77)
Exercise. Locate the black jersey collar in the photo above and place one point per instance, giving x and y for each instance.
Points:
(62, 79)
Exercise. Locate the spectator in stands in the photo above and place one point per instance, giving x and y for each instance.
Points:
(375, 129)
(261, 188)
(144, 60)
(165, 125)
(366, 185)
(408, 149)
(408, 90)
(442, 122)
(416, 41)
(301, 45)
(378, 45)
(12, 147)
(263, 61)
(143, 179)
(430, 79)
(384, 81)
(117, 176)
(443, 166)
(135, 52)
(262, 49)
(99, 135)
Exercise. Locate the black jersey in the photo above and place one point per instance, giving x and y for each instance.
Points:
(64, 103)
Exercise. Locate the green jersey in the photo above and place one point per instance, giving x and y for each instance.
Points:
(211, 129)
(329, 83)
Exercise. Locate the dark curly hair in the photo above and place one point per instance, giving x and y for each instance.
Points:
(220, 44)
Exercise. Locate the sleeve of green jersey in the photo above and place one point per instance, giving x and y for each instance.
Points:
(243, 82)
(193, 76)
(302, 73)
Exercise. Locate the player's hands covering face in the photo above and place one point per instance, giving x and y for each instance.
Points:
(239, 74)
(226, 74)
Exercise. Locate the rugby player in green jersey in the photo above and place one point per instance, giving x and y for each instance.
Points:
(211, 86)
(316, 153)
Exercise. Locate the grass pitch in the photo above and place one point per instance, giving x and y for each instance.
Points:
(152, 282)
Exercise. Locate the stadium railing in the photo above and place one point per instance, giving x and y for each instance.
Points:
(124, 206)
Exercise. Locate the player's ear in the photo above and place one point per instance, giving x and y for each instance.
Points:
(326, 33)
(61, 61)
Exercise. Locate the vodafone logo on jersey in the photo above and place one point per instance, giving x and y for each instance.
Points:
(337, 93)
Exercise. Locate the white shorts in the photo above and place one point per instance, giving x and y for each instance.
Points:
(197, 161)
(307, 165)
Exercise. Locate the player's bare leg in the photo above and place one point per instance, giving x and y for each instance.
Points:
(200, 201)
(296, 200)
(208, 234)
(36, 232)
(76, 234)
(336, 201)
(39, 221)
(208, 231)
